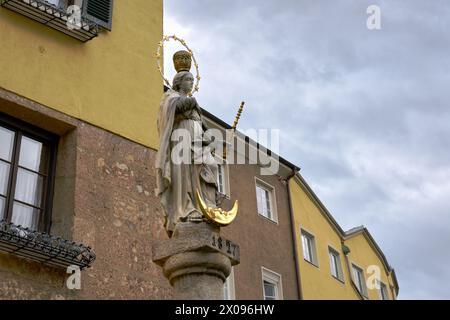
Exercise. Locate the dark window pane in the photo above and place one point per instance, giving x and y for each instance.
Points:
(25, 216)
(2, 208)
(6, 143)
(4, 177)
(269, 290)
(29, 187)
(32, 155)
(384, 294)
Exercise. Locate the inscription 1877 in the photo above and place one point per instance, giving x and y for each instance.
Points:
(226, 246)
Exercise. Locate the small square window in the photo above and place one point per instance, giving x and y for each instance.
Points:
(223, 180)
(272, 286)
(309, 247)
(359, 280)
(270, 291)
(220, 178)
(265, 199)
(335, 264)
(383, 292)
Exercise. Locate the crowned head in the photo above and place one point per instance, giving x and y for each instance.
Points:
(182, 60)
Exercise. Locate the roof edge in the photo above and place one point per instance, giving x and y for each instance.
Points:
(225, 125)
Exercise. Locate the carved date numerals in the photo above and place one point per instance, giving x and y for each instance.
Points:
(224, 245)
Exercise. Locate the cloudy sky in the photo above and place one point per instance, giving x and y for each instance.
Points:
(364, 113)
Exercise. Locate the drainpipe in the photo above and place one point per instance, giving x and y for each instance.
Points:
(294, 238)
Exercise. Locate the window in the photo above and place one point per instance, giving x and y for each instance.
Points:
(220, 178)
(265, 199)
(360, 281)
(272, 286)
(223, 182)
(228, 287)
(309, 247)
(335, 264)
(99, 11)
(95, 15)
(383, 292)
(270, 290)
(27, 157)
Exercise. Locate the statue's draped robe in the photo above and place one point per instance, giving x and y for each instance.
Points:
(177, 183)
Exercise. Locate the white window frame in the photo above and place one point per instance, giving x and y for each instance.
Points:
(313, 259)
(221, 163)
(273, 278)
(386, 292)
(362, 290)
(229, 291)
(340, 272)
(272, 199)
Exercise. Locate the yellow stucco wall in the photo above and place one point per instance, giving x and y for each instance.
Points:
(364, 255)
(110, 81)
(317, 281)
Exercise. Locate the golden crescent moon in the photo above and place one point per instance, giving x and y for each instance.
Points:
(218, 215)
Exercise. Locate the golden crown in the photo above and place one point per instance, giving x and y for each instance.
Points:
(182, 60)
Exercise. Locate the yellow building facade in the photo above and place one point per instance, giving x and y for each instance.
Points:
(334, 264)
(110, 81)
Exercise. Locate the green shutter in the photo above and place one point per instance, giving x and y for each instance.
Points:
(99, 11)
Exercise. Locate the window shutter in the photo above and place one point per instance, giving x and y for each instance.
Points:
(99, 11)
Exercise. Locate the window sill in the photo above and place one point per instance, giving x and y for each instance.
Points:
(338, 279)
(311, 263)
(41, 247)
(268, 219)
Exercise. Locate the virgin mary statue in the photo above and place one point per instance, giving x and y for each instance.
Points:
(182, 165)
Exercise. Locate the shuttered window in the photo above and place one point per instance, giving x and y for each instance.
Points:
(99, 11)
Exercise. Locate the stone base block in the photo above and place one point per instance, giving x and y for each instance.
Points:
(196, 261)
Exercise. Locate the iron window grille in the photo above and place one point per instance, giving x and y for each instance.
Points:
(42, 247)
(96, 15)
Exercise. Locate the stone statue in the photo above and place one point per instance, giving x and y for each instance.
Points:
(196, 259)
(177, 183)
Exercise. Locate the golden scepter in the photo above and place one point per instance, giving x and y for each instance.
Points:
(238, 116)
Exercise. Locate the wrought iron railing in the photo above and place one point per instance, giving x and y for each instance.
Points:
(44, 248)
(54, 17)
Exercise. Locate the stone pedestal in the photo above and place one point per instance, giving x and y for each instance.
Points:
(196, 261)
